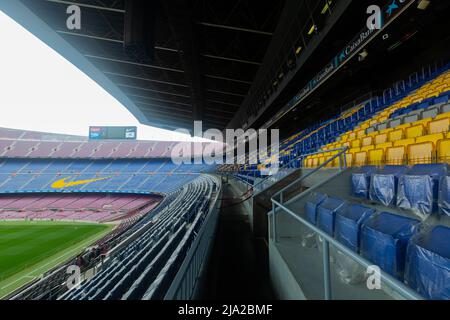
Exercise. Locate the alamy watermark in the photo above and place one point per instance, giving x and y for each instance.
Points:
(249, 147)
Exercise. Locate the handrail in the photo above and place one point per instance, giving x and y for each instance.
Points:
(300, 157)
(342, 166)
(405, 291)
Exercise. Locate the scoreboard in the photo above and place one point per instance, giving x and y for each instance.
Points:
(112, 133)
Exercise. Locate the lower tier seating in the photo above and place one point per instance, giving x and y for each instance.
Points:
(401, 245)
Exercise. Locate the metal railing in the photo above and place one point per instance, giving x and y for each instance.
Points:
(278, 207)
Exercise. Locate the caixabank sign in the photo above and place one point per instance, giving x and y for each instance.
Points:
(382, 16)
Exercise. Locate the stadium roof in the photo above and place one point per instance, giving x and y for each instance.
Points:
(198, 60)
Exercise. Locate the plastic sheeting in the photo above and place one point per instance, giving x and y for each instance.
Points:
(326, 213)
(384, 239)
(360, 185)
(428, 263)
(383, 189)
(308, 236)
(314, 200)
(444, 196)
(416, 193)
(348, 222)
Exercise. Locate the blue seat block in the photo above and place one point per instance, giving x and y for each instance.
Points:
(348, 222)
(444, 196)
(383, 185)
(361, 181)
(418, 189)
(314, 200)
(384, 239)
(326, 212)
(428, 263)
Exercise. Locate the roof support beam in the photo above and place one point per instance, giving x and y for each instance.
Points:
(227, 79)
(152, 90)
(230, 59)
(226, 93)
(90, 6)
(133, 63)
(180, 16)
(161, 100)
(82, 35)
(221, 26)
(144, 79)
(223, 102)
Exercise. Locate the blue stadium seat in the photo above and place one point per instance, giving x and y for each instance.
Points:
(384, 239)
(418, 189)
(348, 222)
(383, 185)
(428, 263)
(361, 181)
(314, 200)
(444, 196)
(326, 213)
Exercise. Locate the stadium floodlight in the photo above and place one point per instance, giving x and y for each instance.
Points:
(423, 4)
(312, 29)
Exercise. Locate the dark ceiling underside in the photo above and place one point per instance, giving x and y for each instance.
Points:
(206, 53)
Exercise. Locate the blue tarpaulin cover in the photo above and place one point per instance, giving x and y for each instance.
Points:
(326, 213)
(428, 263)
(348, 223)
(361, 182)
(444, 196)
(384, 238)
(416, 193)
(314, 200)
(383, 186)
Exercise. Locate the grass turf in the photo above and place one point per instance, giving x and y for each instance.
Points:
(28, 248)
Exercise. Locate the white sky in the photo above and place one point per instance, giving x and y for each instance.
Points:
(42, 91)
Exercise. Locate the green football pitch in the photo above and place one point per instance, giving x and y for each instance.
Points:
(30, 248)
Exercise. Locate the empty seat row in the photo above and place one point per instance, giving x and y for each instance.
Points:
(397, 244)
(413, 116)
(422, 189)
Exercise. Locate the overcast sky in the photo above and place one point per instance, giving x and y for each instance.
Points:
(41, 91)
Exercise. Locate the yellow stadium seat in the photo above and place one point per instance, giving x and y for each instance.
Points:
(351, 136)
(355, 143)
(381, 138)
(431, 138)
(443, 151)
(346, 144)
(368, 148)
(423, 122)
(354, 150)
(321, 160)
(439, 126)
(421, 153)
(360, 159)
(349, 159)
(443, 116)
(360, 134)
(384, 146)
(403, 126)
(376, 157)
(367, 141)
(395, 155)
(404, 142)
(415, 131)
(315, 162)
(396, 135)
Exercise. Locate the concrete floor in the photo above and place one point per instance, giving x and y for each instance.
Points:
(239, 266)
